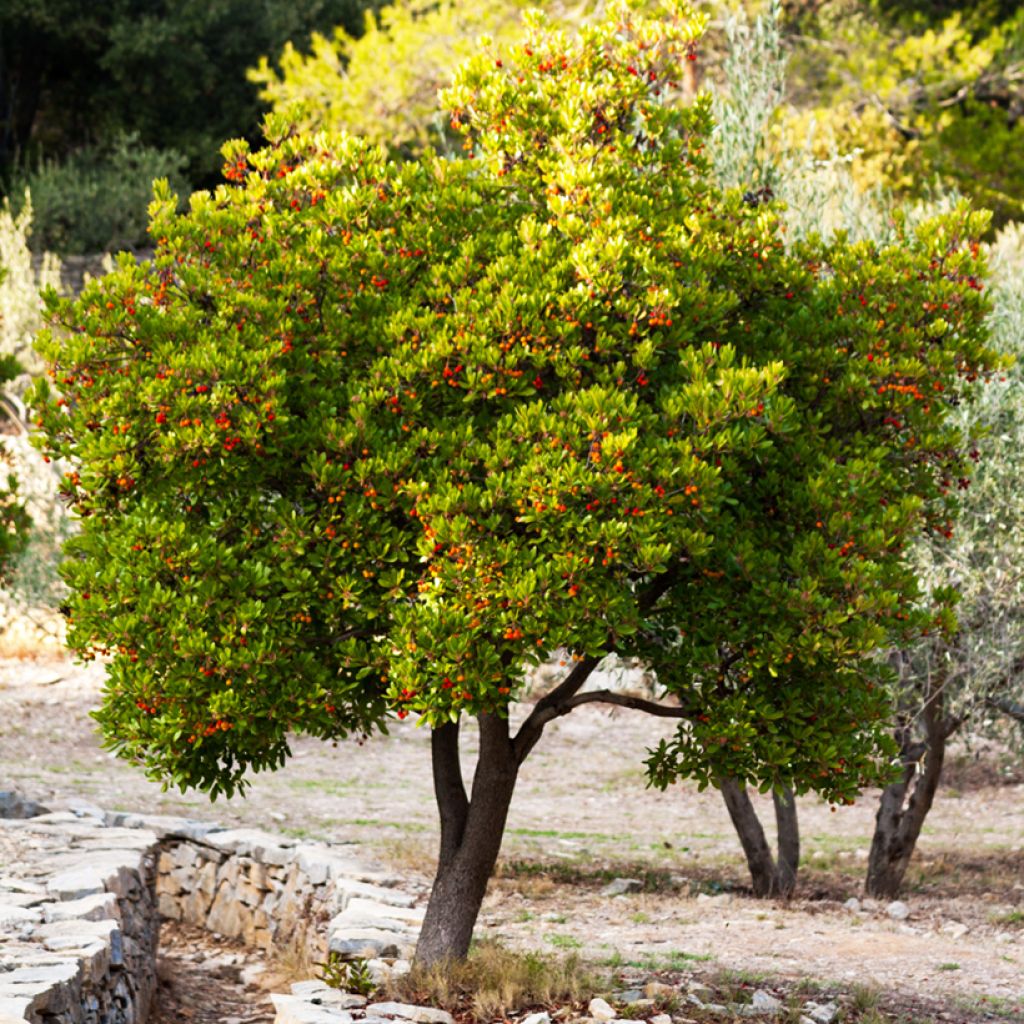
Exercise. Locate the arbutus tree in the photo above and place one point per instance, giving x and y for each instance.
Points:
(368, 438)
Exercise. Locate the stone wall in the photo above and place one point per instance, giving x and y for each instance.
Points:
(82, 893)
(78, 921)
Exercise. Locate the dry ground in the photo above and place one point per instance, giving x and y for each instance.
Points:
(581, 816)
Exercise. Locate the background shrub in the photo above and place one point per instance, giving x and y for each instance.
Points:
(97, 199)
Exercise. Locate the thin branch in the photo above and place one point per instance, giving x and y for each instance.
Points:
(625, 701)
(1007, 707)
(550, 706)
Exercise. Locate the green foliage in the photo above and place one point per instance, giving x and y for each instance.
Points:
(369, 437)
(31, 575)
(984, 659)
(21, 283)
(347, 975)
(339, 86)
(73, 74)
(13, 518)
(918, 97)
(96, 200)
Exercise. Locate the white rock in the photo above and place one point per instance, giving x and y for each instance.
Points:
(545, 1018)
(348, 889)
(600, 1010)
(765, 1002)
(720, 899)
(360, 905)
(898, 910)
(14, 1009)
(852, 905)
(293, 1010)
(661, 1018)
(621, 886)
(12, 916)
(251, 842)
(97, 907)
(365, 943)
(821, 1013)
(421, 1014)
(321, 994)
(954, 929)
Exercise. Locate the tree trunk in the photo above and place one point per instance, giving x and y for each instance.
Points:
(788, 830)
(899, 820)
(471, 833)
(769, 877)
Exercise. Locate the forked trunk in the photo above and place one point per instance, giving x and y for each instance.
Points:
(770, 875)
(899, 820)
(471, 833)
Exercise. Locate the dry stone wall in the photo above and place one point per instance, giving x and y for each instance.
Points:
(78, 921)
(83, 891)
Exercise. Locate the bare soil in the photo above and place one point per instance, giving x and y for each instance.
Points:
(202, 979)
(583, 815)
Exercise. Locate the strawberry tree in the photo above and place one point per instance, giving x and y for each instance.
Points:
(368, 439)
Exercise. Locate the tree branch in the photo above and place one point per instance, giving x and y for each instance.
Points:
(550, 706)
(625, 701)
(1007, 707)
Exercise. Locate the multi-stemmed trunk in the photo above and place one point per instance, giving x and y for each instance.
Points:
(472, 825)
(771, 875)
(905, 804)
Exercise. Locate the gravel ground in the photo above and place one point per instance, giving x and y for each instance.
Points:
(582, 815)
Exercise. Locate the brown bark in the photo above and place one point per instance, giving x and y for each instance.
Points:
(905, 804)
(471, 834)
(769, 875)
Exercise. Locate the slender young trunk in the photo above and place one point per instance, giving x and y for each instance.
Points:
(788, 830)
(899, 819)
(471, 833)
(770, 877)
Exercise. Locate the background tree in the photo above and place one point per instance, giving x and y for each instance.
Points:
(338, 85)
(917, 92)
(75, 74)
(369, 438)
(976, 676)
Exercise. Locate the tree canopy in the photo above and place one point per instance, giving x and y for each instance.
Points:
(367, 438)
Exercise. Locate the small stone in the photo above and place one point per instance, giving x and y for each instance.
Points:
(543, 1018)
(631, 997)
(600, 1010)
(721, 898)
(954, 929)
(700, 992)
(321, 994)
(765, 1002)
(420, 1014)
(821, 1013)
(852, 905)
(898, 910)
(621, 886)
(661, 1018)
(363, 945)
(659, 990)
